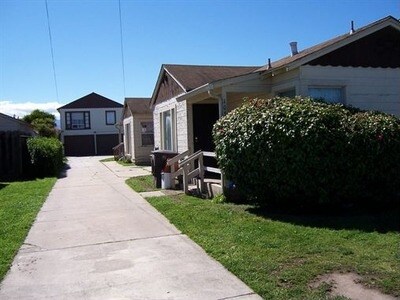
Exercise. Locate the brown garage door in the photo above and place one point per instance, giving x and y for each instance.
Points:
(105, 143)
(79, 145)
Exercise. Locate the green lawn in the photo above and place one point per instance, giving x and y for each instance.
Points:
(19, 204)
(278, 256)
(142, 183)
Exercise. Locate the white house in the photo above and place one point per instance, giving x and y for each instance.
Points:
(88, 125)
(138, 130)
(360, 68)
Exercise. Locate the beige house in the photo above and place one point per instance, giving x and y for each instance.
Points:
(88, 125)
(360, 68)
(138, 130)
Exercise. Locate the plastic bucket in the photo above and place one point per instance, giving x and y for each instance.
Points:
(165, 180)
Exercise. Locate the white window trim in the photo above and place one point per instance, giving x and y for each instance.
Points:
(173, 133)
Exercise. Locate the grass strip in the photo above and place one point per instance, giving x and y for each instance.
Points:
(142, 184)
(19, 204)
(278, 256)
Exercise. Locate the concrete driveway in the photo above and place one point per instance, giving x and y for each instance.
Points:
(95, 238)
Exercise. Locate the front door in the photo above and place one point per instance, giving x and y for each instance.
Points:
(204, 118)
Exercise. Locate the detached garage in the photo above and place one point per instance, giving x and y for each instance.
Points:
(88, 125)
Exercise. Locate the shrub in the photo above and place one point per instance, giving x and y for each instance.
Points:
(46, 155)
(301, 152)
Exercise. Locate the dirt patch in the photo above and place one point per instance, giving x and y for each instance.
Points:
(349, 285)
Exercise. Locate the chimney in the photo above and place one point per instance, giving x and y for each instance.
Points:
(352, 27)
(269, 64)
(293, 48)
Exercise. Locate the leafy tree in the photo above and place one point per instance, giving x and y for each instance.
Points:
(43, 122)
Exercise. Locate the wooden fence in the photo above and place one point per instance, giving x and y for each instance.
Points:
(14, 156)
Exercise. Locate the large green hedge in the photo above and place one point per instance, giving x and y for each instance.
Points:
(46, 155)
(300, 152)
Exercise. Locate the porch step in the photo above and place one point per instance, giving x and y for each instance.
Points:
(213, 187)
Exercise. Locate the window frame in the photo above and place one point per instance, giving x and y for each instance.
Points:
(86, 120)
(145, 133)
(115, 117)
(172, 141)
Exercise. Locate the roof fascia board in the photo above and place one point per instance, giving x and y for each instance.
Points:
(156, 88)
(174, 78)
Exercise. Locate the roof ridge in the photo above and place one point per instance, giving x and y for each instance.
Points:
(208, 66)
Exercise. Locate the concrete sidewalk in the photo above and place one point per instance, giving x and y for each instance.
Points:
(95, 238)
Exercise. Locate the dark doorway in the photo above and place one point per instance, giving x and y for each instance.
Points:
(204, 118)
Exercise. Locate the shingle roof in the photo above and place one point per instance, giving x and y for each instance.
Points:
(306, 52)
(192, 76)
(138, 105)
(92, 100)
(14, 119)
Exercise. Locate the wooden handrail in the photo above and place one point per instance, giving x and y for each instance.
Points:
(183, 164)
(173, 160)
(192, 157)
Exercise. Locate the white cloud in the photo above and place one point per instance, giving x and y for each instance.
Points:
(22, 109)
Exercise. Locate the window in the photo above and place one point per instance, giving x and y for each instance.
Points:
(110, 117)
(77, 120)
(167, 119)
(147, 133)
(329, 94)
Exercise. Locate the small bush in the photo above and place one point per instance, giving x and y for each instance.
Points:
(304, 153)
(46, 155)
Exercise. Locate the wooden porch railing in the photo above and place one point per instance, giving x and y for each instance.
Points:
(118, 151)
(183, 164)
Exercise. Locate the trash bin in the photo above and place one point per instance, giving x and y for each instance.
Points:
(158, 162)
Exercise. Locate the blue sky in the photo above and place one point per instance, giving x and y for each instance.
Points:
(86, 41)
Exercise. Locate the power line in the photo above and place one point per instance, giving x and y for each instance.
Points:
(122, 47)
(52, 51)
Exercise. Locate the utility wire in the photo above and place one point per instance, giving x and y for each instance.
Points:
(52, 51)
(122, 47)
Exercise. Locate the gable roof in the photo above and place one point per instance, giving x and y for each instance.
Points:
(190, 77)
(92, 100)
(313, 52)
(138, 105)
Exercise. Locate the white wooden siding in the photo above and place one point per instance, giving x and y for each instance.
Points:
(365, 88)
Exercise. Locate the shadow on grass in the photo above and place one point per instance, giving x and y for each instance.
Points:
(3, 185)
(382, 222)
